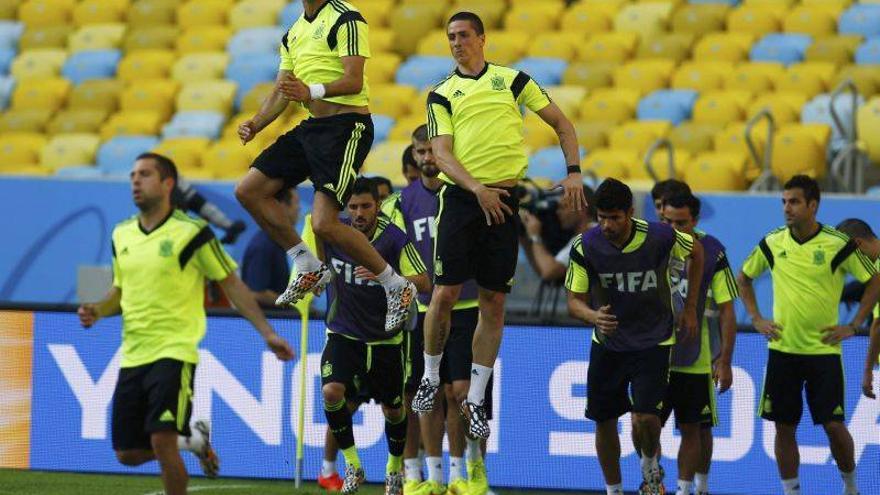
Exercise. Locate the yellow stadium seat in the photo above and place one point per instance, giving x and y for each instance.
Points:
(721, 107)
(147, 97)
(21, 148)
(186, 152)
(253, 99)
(505, 47)
(9, 10)
(660, 165)
(147, 13)
(701, 76)
(77, 121)
(97, 37)
(49, 95)
(381, 40)
(36, 13)
(200, 67)
(384, 160)
(644, 75)
(411, 21)
(754, 20)
(694, 137)
(64, 150)
(394, 100)
(199, 13)
(41, 63)
(676, 47)
(375, 14)
(490, 11)
(537, 133)
(606, 163)
(868, 123)
(44, 37)
(24, 121)
(609, 47)
(865, 78)
(589, 75)
(98, 12)
(593, 135)
(716, 172)
(838, 50)
(382, 67)
(646, 19)
(610, 105)
(800, 149)
(434, 43)
(146, 64)
(588, 18)
(228, 159)
(809, 78)
(638, 135)
(203, 39)
(556, 45)
(785, 106)
(96, 94)
(533, 18)
(699, 19)
(403, 127)
(212, 96)
(568, 98)
(724, 47)
(773, 4)
(830, 4)
(755, 77)
(812, 20)
(151, 38)
(126, 123)
(732, 139)
(258, 13)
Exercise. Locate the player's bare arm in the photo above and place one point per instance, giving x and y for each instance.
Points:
(871, 360)
(243, 300)
(90, 313)
(271, 108)
(689, 323)
(351, 83)
(837, 333)
(767, 328)
(721, 369)
(572, 185)
(603, 319)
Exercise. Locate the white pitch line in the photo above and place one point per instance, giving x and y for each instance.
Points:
(202, 488)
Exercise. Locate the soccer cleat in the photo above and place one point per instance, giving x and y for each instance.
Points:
(458, 487)
(409, 486)
(354, 478)
(399, 300)
(207, 456)
(475, 419)
(332, 483)
(428, 488)
(478, 482)
(394, 484)
(304, 283)
(423, 402)
(653, 483)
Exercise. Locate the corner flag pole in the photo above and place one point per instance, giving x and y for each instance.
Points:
(303, 308)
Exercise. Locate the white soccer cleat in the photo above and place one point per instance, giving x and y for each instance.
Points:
(207, 455)
(303, 283)
(423, 401)
(399, 299)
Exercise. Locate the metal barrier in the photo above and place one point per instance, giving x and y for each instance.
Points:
(766, 181)
(847, 169)
(649, 155)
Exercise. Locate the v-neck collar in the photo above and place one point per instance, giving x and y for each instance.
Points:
(476, 77)
(157, 227)
(808, 239)
(317, 12)
(632, 236)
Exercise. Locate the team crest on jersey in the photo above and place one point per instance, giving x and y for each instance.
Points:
(818, 257)
(327, 370)
(498, 83)
(166, 248)
(438, 267)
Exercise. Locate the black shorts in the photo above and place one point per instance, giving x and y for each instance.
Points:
(329, 150)
(786, 377)
(415, 355)
(150, 398)
(467, 248)
(692, 397)
(379, 368)
(620, 382)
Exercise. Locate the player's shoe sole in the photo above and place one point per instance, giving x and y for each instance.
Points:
(475, 420)
(423, 401)
(208, 457)
(304, 283)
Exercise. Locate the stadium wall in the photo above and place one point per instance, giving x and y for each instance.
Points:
(56, 383)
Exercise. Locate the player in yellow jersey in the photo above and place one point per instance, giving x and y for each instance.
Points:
(476, 131)
(322, 67)
(161, 259)
(808, 263)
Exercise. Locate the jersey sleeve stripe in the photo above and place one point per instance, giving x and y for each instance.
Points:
(519, 84)
(218, 252)
(113, 248)
(768, 254)
(284, 41)
(731, 283)
(841, 256)
(434, 97)
(343, 19)
(203, 237)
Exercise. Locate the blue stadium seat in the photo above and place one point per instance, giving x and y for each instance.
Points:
(549, 163)
(7, 84)
(79, 172)
(382, 125)
(10, 32)
(784, 48)
(545, 71)
(423, 71)
(7, 55)
(116, 156)
(869, 52)
(666, 104)
(290, 14)
(255, 40)
(248, 70)
(194, 124)
(818, 111)
(91, 64)
(862, 19)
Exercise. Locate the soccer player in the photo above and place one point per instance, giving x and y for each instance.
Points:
(414, 210)
(161, 258)
(618, 281)
(322, 67)
(358, 350)
(409, 166)
(477, 227)
(808, 263)
(383, 185)
(665, 189)
(695, 364)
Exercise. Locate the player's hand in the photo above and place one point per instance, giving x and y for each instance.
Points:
(768, 328)
(572, 192)
(247, 131)
(606, 322)
(687, 324)
(88, 314)
(293, 89)
(837, 333)
(723, 375)
(868, 384)
(364, 274)
(280, 347)
(530, 223)
(490, 201)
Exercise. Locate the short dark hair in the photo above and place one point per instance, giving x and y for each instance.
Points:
(164, 165)
(408, 160)
(420, 134)
(685, 200)
(613, 195)
(806, 184)
(669, 187)
(365, 185)
(857, 229)
(474, 19)
(382, 181)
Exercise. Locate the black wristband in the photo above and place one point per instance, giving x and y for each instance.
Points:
(574, 169)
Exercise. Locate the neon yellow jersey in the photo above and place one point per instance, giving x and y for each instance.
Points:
(482, 114)
(808, 278)
(161, 275)
(313, 48)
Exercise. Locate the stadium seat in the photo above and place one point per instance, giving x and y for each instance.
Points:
(593, 135)
(44, 37)
(10, 33)
(7, 55)
(194, 124)
(811, 20)
(676, 47)
(610, 162)
(865, 78)
(77, 121)
(731, 139)
(97, 94)
(533, 18)
(200, 67)
(42, 63)
(537, 134)
(491, 11)
(715, 172)
(838, 50)
(505, 47)
(9, 10)
(568, 98)
(24, 121)
(132, 123)
(783, 48)
(289, 14)
(395, 100)
(645, 19)
(868, 123)
(608, 47)
(869, 52)
(694, 137)
(204, 39)
(410, 21)
(754, 20)
(422, 71)
(251, 69)
(198, 13)
(21, 148)
(149, 96)
(255, 13)
(674, 106)
(589, 75)
(548, 163)
(723, 47)
(98, 12)
(384, 160)
(701, 76)
(79, 172)
(638, 135)
(818, 111)
(7, 84)
(69, 149)
(721, 107)
(403, 127)
(610, 105)
(785, 106)
(49, 95)
(810, 78)
(382, 41)
(862, 19)
(253, 99)
(699, 19)
(146, 13)
(227, 159)
(187, 154)
(434, 44)
(98, 64)
(39, 13)
(587, 18)
(97, 37)
(660, 165)
(257, 40)
(755, 77)
(381, 68)
(800, 149)
(213, 96)
(146, 64)
(375, 13)
(151, 38)
(644, 75)
(545, 71)
(555, 45)
(382, 125)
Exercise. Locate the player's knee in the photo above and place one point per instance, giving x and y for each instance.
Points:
(690, 431)
(644, 421)
(333, 393)
(445, 297)
(164, 443)
(492, 306)
(128, 458)
(324, 226)
(835, 429)
(245, 194)
(786, 430)
(460, 391)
